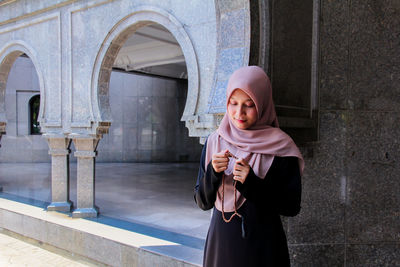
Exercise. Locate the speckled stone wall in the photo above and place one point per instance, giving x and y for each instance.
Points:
(351, 202)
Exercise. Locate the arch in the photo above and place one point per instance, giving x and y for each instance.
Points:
(8, 55)
(116, 37)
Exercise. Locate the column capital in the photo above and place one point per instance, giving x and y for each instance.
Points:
(85, 143)
(53, 135)
(57, 142)
(81, 136)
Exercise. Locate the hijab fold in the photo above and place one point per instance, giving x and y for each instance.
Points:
(257, 145)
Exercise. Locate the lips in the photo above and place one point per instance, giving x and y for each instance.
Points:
(241, 121)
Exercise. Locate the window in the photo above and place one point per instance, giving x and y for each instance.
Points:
(34, 104)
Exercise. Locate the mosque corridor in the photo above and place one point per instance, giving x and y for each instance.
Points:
(156, 195)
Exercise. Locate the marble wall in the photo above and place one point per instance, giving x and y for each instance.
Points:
(146, 125)
(17, 145)
(351, 203)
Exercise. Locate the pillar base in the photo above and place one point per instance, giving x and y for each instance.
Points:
(60, 206)
(85, 213)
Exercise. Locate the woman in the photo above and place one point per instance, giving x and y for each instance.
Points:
(250, 172)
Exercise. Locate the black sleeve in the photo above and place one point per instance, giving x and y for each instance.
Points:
(205, 191)
(280, 190)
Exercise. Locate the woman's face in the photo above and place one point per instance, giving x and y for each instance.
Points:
(242, 110)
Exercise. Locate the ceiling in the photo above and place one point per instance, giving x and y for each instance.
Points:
(154, 50)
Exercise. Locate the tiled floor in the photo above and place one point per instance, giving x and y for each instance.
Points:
(159, 195)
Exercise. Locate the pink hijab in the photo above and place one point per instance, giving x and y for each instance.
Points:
(257, 145)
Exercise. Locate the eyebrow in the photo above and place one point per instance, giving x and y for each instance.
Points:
(249, 99)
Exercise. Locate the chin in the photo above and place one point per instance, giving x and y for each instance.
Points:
(241, 127)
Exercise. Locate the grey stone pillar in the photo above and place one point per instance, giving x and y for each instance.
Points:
(86, 157)
(59, 151)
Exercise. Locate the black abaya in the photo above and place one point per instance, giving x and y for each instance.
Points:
(264, 244)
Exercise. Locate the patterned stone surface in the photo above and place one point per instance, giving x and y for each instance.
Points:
(369, 255)
(233, 49)
(317, 255)
(218, 101)
(350, 186)
(291, 55)
(227, 5)
(334, 61)
(322, 215)
(373, 188)
(230, 60)
(374, 58)
(232, 29)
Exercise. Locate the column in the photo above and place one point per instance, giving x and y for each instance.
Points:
(59, 151)
(86, 158)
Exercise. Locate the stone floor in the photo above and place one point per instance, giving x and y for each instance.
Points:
(157, 195)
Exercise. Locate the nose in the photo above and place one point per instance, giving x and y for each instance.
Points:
(241, 109)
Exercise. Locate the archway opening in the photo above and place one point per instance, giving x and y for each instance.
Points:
(147, 165)
(25, 168)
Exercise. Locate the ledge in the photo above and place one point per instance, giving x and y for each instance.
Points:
(97, 241)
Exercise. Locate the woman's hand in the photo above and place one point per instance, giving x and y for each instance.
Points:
(220, 161)
(241, 170)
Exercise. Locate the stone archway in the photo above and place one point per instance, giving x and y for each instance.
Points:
(8, 55)
(86, 145)
(14, 107)
(117, 36)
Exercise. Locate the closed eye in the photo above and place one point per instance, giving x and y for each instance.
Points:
(250, 104)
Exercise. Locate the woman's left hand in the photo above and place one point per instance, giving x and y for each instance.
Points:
(241, 170)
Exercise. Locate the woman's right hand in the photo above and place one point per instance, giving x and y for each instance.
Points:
(220, 161)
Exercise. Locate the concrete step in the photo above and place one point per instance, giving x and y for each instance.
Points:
(105, 240)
